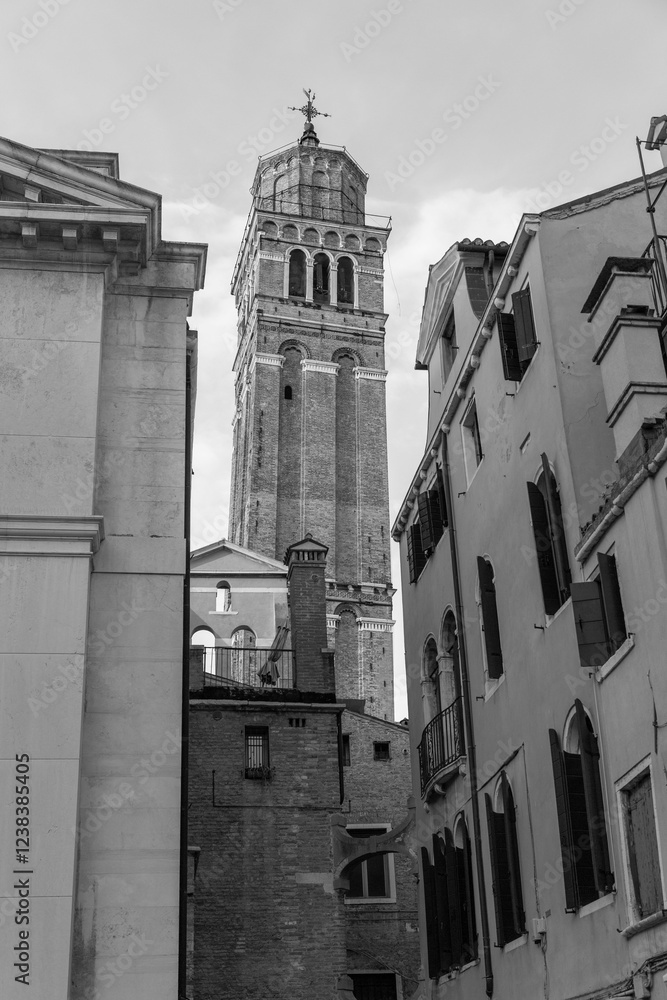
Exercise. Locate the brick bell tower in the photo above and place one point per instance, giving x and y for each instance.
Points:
(310, 439)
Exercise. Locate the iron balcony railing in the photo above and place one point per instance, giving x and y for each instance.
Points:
(657, 251)
(245, 666)
(442, 742)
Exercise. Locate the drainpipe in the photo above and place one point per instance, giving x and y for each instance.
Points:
(185, 693)
(471, 750)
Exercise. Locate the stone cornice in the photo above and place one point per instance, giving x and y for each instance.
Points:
(71, 535)
(326, 367)
(271, 360)
(373, 374)
(375, 624)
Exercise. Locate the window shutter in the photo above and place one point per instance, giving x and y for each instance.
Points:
(467, 894)
(512, 842)
(544, 550)
(564, 823)
(590, 765)
(494, 654)
(411, 555)
(420, 558)
(611, 601)
(424, 507)
(509, 351)
(443, 499)
(557, 530)
(435, 510)
(443, 905)
(431, 916)
(589, 623)
(456, 930)
(495, 870)
(524, 323)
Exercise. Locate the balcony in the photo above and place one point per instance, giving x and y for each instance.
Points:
(657, 251)
(442, 747)
(243, 666)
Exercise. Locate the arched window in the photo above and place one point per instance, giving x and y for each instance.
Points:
(451, 670)
(466, 891)
(489, 619)
(223, 596)
(452, 941)
(280, 194)
(580, 806)
(204, 637)
(297, 274)
(550, 541)
(346, 281)
(288, 392)
(321, 278)
(432, 692)
(505, 867)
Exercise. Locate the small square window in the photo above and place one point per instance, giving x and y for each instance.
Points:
(472, 441)
(380, 751)
(346, 750)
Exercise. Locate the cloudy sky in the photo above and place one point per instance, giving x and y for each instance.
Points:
(463, 112)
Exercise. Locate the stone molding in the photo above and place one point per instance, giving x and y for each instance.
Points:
(375, 624)
(272, 360)
(372, 374)
(32, 534)
(370, 270)
(333, 621)
(264, 255)
(327, 367)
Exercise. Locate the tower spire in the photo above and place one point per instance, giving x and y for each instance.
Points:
(309, 110)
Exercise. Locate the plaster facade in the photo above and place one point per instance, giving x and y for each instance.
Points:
(95, 427)
(529, 450)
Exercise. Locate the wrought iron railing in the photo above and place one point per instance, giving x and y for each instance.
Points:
(657, 251)
(442, 742)
(244, 666)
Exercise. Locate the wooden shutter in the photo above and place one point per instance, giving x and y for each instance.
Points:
(519, 920)
(495, 850)
(508, 347)
(590, 765)
(524, 323)
(494, 654)
(557, 530)
(544, 550)
(411, 555)
(437, 520)
(589, 623)
(467, 897)
(416, 557)
(455, 923)
(611, 601)
(564, 823)
(424, 507)
(643, 848)
(443, 905)
(431, 916)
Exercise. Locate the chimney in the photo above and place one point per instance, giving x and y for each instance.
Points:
(626, 332)
(306, 561)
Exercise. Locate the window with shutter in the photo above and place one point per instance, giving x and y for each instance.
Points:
(550, 541)
(442, 497)
(430, 519)
(525, 327)
(431, 915)
(598, 614)
(466, 892)
(547, 485)
(611, 601)
(642, 847)
(442, 903)
(472, 441)
(505, 866)
(597, 833)
(509, 351)
(416, 556)
(490, 625)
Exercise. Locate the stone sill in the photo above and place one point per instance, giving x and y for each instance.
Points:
(597, 904)
(517, 943)
(643, 925)
(615, 659)
(455, 973)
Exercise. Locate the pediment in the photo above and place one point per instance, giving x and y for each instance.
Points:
(442, 282)
(228, 559)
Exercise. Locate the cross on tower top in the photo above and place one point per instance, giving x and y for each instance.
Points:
(310, 111)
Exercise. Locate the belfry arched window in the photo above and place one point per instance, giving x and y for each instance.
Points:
(321, 278)
(346, 281)
(297, 274)
(223, 596)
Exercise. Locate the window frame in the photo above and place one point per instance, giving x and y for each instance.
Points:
(471, 440)
(262, 770)
(377, 754)
(624, 786)
(507, 833)
(489, 622)
(379, 972)
(389, 871)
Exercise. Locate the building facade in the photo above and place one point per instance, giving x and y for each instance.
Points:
(96, 423)
(310, 440)
(533, 560)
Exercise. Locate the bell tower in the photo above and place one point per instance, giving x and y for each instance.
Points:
(310, 440)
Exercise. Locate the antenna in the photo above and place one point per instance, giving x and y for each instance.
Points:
(655, 140)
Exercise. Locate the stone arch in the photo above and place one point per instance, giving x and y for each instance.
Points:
(347, 352)
(270, 229)
(352, 242)
(332, 240)
(322, 277)
(450, 666)
(290, 232)
(346, 283)
(312, 236)
(373, 245)
(296, 274)
(348, 675)
(431, 685)
(296, 345)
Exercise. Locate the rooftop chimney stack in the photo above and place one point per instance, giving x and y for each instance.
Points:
(306, 561)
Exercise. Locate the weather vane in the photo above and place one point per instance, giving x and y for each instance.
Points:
(309, 109)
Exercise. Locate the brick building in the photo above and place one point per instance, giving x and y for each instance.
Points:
(533, 552)
(302, 877)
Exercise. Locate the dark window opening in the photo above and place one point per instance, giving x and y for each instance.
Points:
(518, 341)
(296, 285)
(581, 819)
(321, 278)
(550, 542)
(374, 985)
(490, 624)
(345, 281)
(598, 614)
(416, 556)
(346, 750)
(257, 752)
(505, 869)
(288, 392)
(472, 440)
(369, 879)
(449, 347)
(448, 895)
(380, 751)
(432, 517)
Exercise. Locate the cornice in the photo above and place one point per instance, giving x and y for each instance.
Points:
(71, 535)
(372, 374)
(313, 365)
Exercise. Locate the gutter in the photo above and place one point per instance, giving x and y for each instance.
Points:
(471, 750)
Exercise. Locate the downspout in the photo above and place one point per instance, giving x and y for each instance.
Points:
(185, 693)
(471, 750)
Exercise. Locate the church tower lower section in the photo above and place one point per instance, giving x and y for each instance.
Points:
(310, 439)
